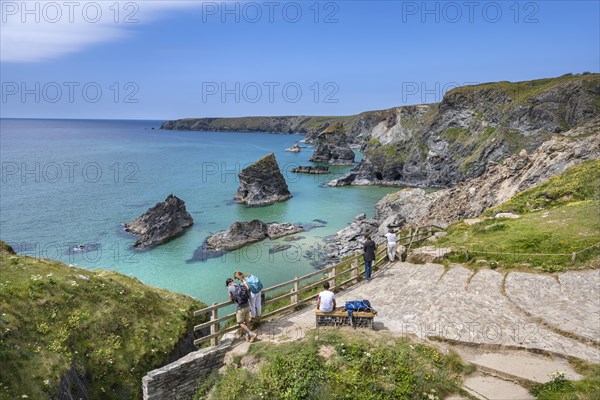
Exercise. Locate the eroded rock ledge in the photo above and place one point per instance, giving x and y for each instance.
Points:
(161, 223)
(242, 233)
(262, 183)
(332, 147)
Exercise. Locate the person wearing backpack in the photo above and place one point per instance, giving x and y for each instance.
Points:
(239, 294)
(255, 286)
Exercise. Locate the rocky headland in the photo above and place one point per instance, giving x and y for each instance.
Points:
(441, 144)
(262, 183)
(161, 223)
(332, 147)
(480, 145)
(499, 182)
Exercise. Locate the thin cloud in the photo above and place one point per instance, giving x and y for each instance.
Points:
(45, 30)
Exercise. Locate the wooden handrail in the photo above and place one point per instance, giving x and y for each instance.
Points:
(347, 266)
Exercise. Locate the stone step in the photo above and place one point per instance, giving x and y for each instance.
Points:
(485, 387)
(518, 365)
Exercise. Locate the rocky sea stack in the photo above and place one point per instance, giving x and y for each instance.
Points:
(161, 223)
(240, 234)
(262, 183)
(332, 147)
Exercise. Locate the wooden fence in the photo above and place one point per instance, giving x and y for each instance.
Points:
(341, 275)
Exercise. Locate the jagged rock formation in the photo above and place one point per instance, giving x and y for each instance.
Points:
(275, 231)
(262, 183)
(351, 238)
(294, 149)
(161, 223)
(318, 169)
(498, 183)
(439, 145)
(332, 147)
(238, 235)
(242, 233)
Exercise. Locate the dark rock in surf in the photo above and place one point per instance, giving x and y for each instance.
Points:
(161, 223)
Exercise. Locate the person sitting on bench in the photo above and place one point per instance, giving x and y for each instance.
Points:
(326, 299)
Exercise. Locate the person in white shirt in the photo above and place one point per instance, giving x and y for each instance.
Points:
(391, 244)
(326, 299)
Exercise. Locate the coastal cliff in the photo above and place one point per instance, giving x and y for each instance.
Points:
(73, 333)
(497, 184)
(332, 147)
(441, 144)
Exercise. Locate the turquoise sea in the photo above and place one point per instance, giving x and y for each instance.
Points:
(67, 183)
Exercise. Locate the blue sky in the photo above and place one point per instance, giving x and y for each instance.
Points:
(209, 59)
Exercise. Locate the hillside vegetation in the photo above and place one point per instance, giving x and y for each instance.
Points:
(339, 364)
(70, 330)
(559, 216)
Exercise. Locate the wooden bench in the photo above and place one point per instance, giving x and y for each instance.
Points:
(339, 317)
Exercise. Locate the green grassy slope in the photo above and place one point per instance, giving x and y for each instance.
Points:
(559, 216)
(341, 364)
(523, 91)
(108, 327)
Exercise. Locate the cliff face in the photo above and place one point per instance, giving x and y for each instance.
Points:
(332, 147)
(440, 145)
(437, 145)
(497, 184)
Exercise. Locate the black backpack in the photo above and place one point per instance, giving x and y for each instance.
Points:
(241, 295)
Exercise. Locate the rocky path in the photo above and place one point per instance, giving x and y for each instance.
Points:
(516, 328)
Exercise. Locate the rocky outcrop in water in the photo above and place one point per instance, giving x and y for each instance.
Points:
(294, 149)
(242, 233)
(332, 147)
(318, 169)
(161, 223)
(262, 183)
(498, 183)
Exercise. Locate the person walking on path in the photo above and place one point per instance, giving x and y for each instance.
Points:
(239, 295)
(326, 299)
(369, 248)
(255, 286)
(391, 244)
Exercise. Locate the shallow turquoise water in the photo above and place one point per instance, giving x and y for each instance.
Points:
(69, 182)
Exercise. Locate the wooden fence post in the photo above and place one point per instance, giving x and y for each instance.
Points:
(354, 271)
(215, 327)
(574, 256)
(331, 276)
(294, 297)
